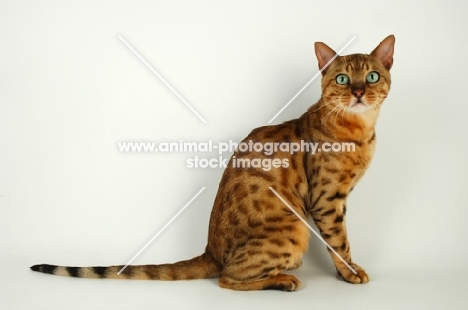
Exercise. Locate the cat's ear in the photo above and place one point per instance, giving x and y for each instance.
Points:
(324, 55)
(384, 52)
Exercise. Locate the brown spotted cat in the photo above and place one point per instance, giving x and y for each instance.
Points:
(253, 236)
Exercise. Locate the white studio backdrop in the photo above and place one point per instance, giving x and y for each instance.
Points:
(71, 90)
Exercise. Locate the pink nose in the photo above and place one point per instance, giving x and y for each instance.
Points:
(358, 93)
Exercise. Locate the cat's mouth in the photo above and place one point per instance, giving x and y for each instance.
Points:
(358, 105)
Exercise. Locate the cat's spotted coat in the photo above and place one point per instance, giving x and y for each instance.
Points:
(253, 237)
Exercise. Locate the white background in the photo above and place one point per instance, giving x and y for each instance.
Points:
(70, 90)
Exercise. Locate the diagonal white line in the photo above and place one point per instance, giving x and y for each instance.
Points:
(162, 229)
(316, 233)
(312, 79)
(162, 79)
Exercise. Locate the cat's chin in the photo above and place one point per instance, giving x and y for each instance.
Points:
(359, 107)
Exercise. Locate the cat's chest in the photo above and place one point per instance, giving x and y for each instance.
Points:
(345, 163)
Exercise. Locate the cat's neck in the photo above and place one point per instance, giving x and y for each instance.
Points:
(340, 125)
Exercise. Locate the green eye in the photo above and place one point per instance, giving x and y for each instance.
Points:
(342, 79)
(373, 77)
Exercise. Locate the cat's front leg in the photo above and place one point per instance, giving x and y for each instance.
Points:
(329, 216)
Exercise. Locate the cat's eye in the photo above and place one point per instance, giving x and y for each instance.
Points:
(373, 77)
(342, 79)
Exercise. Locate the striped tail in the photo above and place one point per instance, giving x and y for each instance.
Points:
(200, 267)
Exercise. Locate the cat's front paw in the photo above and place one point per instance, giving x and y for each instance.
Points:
(360, 277)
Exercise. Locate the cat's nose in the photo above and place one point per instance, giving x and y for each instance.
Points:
(358, 93)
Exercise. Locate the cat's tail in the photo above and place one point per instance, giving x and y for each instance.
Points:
(200, 267)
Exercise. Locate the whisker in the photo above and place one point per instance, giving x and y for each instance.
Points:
(328, 115)
(337, 112)
(342, 115)
(321, 107)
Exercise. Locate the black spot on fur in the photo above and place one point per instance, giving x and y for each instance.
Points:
(338, 219)
(233, 219)
(268, 269)
(278, 287)
(326, 236)
(73, 271)
(318, 199)
(273, 255)
(277, 242)
(254, 188)
(337, 195)
(327, 213)
(253, 223)
(270, 229)
(274, 219)
(343, 246)
(335, 230)
(298, 131)
(100, 271)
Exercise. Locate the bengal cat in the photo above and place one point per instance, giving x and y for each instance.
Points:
(253, 236)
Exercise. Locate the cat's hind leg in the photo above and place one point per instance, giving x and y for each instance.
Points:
(283, 282)
(259, 264)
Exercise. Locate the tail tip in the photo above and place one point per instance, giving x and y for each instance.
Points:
(44, 268)
(35, 268)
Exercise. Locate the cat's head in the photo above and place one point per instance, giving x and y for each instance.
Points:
(355, 83)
